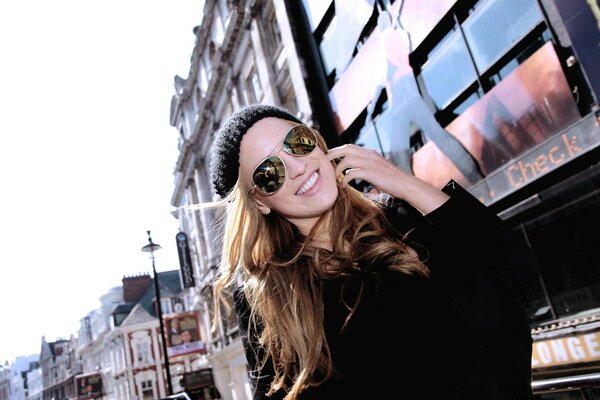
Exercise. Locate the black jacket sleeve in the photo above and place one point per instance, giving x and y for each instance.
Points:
(465, 230)
(477, 259)
(467, 225)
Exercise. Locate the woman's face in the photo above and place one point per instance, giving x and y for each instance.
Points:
(310, 187)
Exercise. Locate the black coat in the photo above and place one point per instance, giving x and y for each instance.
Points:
(460, 334)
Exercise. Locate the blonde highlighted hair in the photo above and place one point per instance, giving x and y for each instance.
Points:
(281, 271)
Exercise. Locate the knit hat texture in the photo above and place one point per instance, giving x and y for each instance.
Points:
(225, 157)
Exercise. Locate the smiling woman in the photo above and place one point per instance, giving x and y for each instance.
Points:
(341, 296)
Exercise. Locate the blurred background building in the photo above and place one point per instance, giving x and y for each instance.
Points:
(117, 353)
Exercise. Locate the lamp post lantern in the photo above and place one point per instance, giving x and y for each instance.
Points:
(150, 248)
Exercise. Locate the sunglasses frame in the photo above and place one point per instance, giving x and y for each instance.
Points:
(255, 188)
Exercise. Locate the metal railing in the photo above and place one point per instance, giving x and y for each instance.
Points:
(581, 383)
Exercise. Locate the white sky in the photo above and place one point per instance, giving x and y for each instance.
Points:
(86, 154)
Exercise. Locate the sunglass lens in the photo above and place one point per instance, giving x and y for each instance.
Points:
(300, 141)
(269, 175)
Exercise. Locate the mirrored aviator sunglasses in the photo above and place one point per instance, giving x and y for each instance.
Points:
(269, 175)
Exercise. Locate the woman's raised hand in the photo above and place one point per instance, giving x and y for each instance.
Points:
(356, 162)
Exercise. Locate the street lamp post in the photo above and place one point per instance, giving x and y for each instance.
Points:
(150, 248)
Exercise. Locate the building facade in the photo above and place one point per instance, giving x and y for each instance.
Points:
(59, 366)
(22, 379)
(35, 386)
(120, 344)
(499, 95)
(4, 381)
(117, 353)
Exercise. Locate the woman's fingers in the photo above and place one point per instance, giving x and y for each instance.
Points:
(352, 156)
(356, 162)
(352, 173)
(369, 165)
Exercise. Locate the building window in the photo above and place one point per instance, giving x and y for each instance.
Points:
(448, 71)
(496, 26)
(248, 80)
(188, 302)
(165, 304)
(207, 62)
(328, 48)
(286, 91)
(272, 34)
(477, 50)
(147, 390)
(224, 10)
(142, 352)
(202, 79)
(256, 86)
(217, 32)
(253, 87)
(315, 10)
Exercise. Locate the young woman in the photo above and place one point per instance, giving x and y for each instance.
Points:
(339, 296)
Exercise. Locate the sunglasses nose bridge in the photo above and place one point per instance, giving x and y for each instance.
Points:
(295, 166)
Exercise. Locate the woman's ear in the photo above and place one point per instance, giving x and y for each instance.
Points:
(263, 208)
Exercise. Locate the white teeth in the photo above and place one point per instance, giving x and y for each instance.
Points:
(309, 183)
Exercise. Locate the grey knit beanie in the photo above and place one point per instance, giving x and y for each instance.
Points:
(225, 155)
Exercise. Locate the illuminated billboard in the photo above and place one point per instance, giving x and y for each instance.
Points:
(89, 386)
(183, 335)
(526, 108)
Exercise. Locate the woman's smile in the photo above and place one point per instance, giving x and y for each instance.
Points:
(310, 186)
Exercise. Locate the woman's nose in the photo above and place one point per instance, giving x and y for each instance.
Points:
(296, 166)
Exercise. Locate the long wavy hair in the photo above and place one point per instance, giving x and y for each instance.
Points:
(281, 270)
